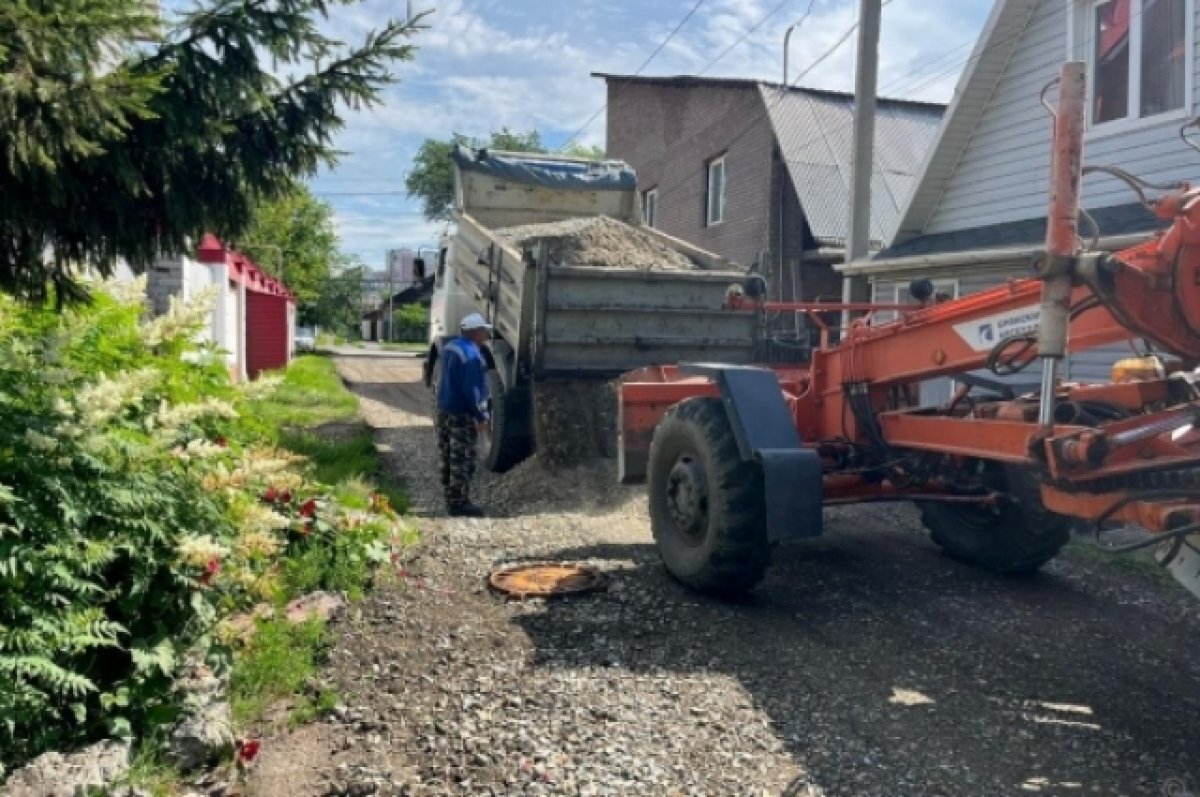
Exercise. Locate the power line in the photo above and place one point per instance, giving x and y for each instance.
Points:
(670, 36)
(360, 193)
(833, 49)
(645, 64)
(340, 179)
(750, 32)
(930, 64)
(765, 113)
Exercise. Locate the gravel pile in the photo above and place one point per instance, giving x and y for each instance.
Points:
(575, 421)
(598, 242)
(866, 664)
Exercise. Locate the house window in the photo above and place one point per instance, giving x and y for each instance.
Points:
(715, 204)
(1139, 58)
(650, 207)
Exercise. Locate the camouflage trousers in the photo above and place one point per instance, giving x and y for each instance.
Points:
(457, 437)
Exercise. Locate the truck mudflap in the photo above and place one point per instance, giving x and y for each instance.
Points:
(762, 425)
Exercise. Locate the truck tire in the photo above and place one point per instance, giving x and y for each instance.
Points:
(508, 441)
(1016, 538)
(435, 379)
(707, 507)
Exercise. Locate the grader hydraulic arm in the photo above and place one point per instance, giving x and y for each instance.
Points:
(737, 457)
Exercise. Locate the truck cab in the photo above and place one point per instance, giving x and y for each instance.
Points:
(448, 305)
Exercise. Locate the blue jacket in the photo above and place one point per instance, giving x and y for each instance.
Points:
(463, 389)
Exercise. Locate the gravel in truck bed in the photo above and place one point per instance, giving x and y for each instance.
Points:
(599, 242)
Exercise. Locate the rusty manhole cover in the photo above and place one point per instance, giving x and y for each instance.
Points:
(543, 580)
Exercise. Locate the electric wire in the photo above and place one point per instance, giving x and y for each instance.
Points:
(645, 64)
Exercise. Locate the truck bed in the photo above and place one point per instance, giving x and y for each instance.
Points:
(601, 322)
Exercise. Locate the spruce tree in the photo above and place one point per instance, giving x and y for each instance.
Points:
(121, 139)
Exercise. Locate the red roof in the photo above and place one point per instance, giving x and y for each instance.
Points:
(241, 268)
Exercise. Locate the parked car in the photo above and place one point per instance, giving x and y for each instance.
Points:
(306, 339)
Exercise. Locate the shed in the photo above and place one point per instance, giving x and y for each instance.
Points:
(256, 311)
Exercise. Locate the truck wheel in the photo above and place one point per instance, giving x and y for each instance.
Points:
(508, 441)
(707, 508)
(435, 379)
(1018, 537)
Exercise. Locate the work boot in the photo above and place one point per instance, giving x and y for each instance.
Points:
(465, 509)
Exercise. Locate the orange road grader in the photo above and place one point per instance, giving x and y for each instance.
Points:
(738, 457)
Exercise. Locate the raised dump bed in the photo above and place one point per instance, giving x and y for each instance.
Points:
(552, 251)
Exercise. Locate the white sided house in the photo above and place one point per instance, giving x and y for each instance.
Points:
(978, 214)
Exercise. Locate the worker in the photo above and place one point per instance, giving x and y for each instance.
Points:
(462, 413)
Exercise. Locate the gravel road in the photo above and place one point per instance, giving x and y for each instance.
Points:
(866, 664)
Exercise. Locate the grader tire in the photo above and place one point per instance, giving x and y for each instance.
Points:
(707, 507)
(1013, 539)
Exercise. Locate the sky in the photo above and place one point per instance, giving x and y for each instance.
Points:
(486, 64)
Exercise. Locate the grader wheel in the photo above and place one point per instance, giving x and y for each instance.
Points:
(1012, 538)
(706, 502)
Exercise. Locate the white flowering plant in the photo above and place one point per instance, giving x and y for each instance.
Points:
(139, 508)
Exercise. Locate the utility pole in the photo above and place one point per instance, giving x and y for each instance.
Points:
(391, 296)
(862, 158)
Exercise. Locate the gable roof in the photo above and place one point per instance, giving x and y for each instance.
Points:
(814, 131)
(989, 59)
(813, 127)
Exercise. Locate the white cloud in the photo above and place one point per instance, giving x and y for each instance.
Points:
(369, 233)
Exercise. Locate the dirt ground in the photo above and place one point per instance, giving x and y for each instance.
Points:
(866, 664)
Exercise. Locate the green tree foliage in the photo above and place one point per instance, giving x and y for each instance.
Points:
(117, 147)
(432, 174)
(576, 150)
(293, 238)
(410, 322)
(338, 309)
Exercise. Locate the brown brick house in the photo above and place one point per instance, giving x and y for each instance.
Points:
(758, 174)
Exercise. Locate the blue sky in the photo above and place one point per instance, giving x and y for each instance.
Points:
(485, 64)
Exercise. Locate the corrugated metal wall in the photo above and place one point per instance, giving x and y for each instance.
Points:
(266, 333)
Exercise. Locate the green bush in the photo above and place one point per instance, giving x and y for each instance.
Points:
(410, 323)
(138, 509)
(95, 604)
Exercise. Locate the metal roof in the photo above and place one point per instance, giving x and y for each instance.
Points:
(699, 81)
(815, 129)
(1130, 219)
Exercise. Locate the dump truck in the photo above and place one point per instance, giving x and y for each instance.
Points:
(554, 319)
(739, 457)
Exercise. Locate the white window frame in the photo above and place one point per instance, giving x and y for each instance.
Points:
(650, 207)
(714, 201)
(1082, 46)
(885, 316)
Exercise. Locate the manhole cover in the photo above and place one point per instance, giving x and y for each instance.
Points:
(545, 580)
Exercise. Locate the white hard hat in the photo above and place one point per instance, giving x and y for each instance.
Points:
(474, 321)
